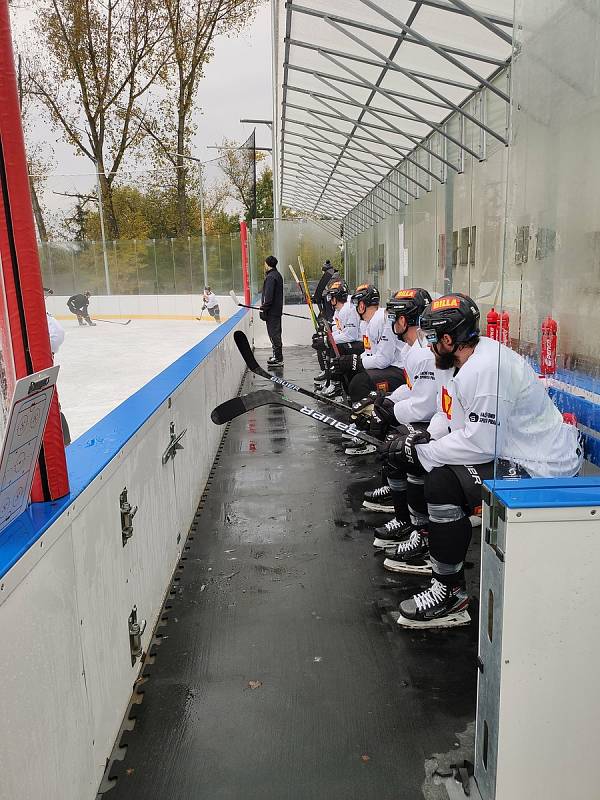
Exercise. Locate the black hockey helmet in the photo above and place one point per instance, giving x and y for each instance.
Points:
(408, 303)
(455, 314)
(366, 293)
(337, 290)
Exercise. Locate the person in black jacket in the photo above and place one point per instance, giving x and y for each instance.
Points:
(78, 305)
(329, 274)
(271, 309)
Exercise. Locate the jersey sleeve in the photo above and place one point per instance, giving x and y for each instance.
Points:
(419, 405)
(382, 355)
(349, 332)
(473, 444)
(401, 393)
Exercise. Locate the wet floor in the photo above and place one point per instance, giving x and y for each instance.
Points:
(280, 675)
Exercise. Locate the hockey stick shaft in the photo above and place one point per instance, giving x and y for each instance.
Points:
(110, 321)
(304, 297)
(306, 289)
(243, 345)
(241, 405)
(257, 308)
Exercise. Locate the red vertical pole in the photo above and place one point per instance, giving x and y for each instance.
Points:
(21, 268)
(245, 272)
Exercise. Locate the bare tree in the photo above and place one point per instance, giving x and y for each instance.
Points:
(192, 26)
(238, 163)
(98, 59)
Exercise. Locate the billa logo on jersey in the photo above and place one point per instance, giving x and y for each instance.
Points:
(405, 293)
(445, 302)
(366, 342)
(382, 386)
(338, 323)
(407, 379)
(446, 402)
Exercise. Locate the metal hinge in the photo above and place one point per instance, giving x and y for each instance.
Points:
(174, 444)
(136, 629)
(127, 515)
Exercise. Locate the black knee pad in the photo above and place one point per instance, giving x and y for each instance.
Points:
(442, 487)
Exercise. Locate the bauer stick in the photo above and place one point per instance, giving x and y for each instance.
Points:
(237, 406)
(243, 345)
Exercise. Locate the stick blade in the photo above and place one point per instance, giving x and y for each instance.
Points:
(237, 406)
(243, 345)
(233, 296)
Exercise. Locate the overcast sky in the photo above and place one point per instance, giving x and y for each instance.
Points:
(236, 85)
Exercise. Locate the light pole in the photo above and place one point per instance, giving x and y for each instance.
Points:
(101, 210)
(204, 262)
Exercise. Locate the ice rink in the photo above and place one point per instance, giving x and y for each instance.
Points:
(102, 366)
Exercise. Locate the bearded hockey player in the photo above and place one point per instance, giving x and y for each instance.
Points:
(381, 364)
(493, 403)
(344, 331)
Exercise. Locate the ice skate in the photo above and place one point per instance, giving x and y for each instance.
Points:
(273, 361)
(388, 536)
(411, 556)
(320, 379)
(357, 447)
(332, 391)
(379, 500)
(440, 606)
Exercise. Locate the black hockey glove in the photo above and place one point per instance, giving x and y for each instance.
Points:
(346, 365)
(383, 417)
(319, 342)
(262, 315)
(401, 451)
(364, 407)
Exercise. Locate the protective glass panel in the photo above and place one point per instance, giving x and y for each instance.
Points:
(550, 273)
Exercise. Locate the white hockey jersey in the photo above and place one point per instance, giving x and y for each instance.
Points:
(496, 405)
(382, 347)
(416, 400)
(346, 324)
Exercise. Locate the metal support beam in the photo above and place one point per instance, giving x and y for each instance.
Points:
(411, 39)
(486, 21)
(445, 5)
(413, 76)
(436, 48)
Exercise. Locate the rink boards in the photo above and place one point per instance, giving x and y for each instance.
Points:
(69, 584)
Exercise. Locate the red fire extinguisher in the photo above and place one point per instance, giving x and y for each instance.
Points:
(492, 324)
(505, 328)
(548, 347)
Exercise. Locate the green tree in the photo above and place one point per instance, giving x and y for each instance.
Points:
(264, 194)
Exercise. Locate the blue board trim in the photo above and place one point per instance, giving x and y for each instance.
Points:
(88, 455)
(547, 492)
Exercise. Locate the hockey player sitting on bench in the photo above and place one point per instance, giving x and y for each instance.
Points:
(410, 407)
(493, 404)
(381, 364)
(345, 332)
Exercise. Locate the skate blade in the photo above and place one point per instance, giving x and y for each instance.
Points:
(409, 569)
(376, 507)
(451, 621)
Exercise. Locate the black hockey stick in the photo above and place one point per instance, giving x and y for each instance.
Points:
(257, 308)
(243, 345)
(237, 406)
(110, 321)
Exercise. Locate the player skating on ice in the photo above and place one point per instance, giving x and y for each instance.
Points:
(380, 366)
(344, 330)
(491, 403)
(78, 305)
(210, 302)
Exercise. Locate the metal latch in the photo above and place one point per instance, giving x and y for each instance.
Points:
(136, 629)
(127, 515)
(496, 512)
(174, 444)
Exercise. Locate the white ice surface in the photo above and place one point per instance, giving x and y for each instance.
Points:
(102, 366)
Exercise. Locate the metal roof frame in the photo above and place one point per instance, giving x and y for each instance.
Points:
(350, 144)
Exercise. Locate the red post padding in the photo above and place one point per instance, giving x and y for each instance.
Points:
(245, 273)
(21, 268)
